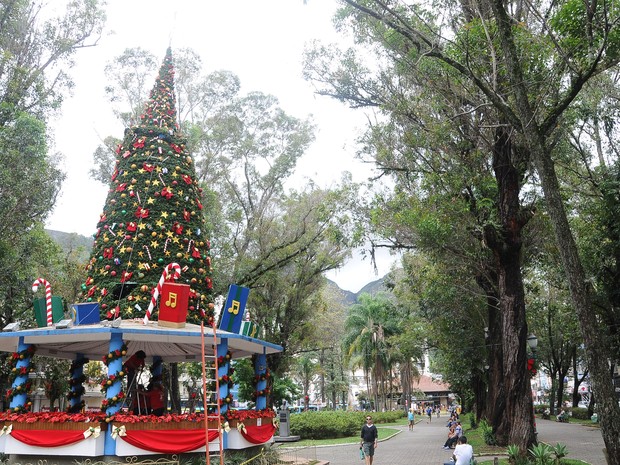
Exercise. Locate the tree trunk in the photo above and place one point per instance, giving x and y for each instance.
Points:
(597, 354)
(515, 424)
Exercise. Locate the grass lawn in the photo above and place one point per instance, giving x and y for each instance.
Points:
(383, 430)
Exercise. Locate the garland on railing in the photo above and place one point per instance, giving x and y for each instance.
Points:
(115, 355)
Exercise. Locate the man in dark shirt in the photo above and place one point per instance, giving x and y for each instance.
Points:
(369, 438)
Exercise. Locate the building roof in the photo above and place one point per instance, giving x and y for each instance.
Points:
(426, 384)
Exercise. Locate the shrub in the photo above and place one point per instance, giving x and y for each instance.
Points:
(487, 434)
(541, 454)
(336, 424)
(580, 413)
(472, 421)
(541, 408)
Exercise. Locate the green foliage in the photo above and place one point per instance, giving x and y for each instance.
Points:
(487, 433)
(559, 451)
(336, 424)
(513, 452)
(579, 413)
(473, 423)
(541, 454)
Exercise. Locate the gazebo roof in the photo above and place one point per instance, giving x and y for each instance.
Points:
(171, 344)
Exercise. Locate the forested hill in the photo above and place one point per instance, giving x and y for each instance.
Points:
(73, 241)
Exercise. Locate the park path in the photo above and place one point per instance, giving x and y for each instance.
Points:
(423, 445)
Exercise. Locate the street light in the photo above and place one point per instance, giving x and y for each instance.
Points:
(532, 342)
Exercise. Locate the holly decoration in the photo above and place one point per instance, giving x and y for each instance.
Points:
(115, 355)
(152, 216)
(14, 372)
(117, 399)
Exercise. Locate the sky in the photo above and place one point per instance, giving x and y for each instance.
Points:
(261, 42)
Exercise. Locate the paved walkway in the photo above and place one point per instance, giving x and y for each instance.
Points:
(423, 446)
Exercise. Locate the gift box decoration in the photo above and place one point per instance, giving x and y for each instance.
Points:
(85, 314)
(40, 311)
(173, 304)
(249, 328)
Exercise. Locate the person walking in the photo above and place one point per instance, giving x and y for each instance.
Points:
(369, 438)
(411, 418)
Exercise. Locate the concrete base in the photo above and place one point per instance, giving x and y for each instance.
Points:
(286, 438)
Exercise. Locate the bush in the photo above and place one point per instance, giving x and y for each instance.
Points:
(473, 424)
(336, 424)
(580, 413)
(541, 408)
(487, 434)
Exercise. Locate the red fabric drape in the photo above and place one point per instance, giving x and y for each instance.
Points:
(258, 434)
(48, 438)
(169, 441)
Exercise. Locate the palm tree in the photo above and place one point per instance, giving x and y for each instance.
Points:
(367, 327)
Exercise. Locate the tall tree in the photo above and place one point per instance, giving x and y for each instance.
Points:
(578, 42)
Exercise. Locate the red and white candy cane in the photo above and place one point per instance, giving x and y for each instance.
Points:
(173, 269)
(48, 298)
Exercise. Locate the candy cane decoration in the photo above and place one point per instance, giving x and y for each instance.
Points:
(48, 297)
(161, 178)
(189, 246)
(146, 247)
(166, 244)
(171, 268)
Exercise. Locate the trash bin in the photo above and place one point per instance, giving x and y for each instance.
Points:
(594, 418)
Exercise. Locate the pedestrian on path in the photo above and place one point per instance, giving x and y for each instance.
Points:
(411, 418)
(429, 414)
(369, 438)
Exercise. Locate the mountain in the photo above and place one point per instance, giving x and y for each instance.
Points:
(73, 241)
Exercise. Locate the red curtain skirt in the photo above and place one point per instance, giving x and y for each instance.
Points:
(169, 441)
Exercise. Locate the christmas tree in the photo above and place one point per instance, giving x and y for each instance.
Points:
(152, 217)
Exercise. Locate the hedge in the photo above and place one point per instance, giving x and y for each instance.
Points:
(336, 424)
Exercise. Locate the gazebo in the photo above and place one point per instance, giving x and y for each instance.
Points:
(112, 433)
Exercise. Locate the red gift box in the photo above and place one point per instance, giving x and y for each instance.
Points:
(173, 305)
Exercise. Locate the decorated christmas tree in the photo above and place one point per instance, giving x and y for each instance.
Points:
(152, 217)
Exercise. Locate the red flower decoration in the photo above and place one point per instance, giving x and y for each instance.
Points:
(142, 213)
(167, 193)
(139, 143)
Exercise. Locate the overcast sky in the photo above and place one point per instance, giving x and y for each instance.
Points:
(260, 41)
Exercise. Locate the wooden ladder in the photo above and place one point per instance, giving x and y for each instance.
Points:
(209, 375)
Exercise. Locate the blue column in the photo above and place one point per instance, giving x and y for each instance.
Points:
(114, 367)
(19, 399)
(157, 368)
(77, 387)
(222, 350)
(260, 368)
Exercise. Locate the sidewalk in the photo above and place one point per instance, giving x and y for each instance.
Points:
(423, 445)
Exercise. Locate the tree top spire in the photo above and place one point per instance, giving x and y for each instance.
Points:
(160, 110)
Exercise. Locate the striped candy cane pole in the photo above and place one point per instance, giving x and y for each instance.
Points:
(175, 268)
(48, 298)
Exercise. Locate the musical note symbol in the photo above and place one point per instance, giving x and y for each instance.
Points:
(172, 300)
(235, 307)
